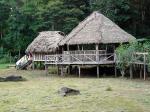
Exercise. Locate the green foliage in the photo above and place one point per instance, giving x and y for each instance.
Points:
(21, 20)
(125, 54)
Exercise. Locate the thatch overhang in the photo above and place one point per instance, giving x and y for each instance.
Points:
(96, 29)
(45, 42)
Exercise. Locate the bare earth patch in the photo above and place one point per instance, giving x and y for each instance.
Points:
(39, 94)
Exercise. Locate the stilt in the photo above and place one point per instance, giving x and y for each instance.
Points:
(115, 71)
(46, 70)
(144, 67)
(33, 66)
(79, 71)
(69, 69)
(62, 72)
(131, 72)
(57, 70)
(97, 71)
(141, 69)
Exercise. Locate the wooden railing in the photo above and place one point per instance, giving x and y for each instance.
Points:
(39, 57)
(85, 52)
(80, 59)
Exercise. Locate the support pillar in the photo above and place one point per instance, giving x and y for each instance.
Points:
(144, 67)
(131, 72)
(115, 71)
(62, 72)
(141, 69)
(98, 71)
(57, 69)
(46, 70)
(33, 66)
(79, 68)
(97, 53)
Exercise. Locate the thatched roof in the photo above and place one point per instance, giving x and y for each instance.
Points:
(46, 42)
(95, 29)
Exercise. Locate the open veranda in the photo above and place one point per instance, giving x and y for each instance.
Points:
(39, 94)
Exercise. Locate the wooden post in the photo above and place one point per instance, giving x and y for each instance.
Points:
(82, 48)
(115, 71)
(46, 69)
(141, 68)
(144, 67)
(97, 53)
(97, 71)
(79, 71)
(67, 47)
(131, 72)
(69, 69)
(57, 69)
(115, 59)
(62, 72)
(62, 50)
(78, 47)
(33, 66)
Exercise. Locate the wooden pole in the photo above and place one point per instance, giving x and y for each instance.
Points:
(78, 47)
(131, 72)
(144, 67)
(33, 65)
(46, 70)
(115, 71)
(79, 71)
(141, 68)
(62, 73)
(97, 53)
(67, 47)
(97, 71)
(82, 48)
(69, 69)
(57, 69)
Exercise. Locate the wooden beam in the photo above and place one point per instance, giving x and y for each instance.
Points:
(33, 66)
(62, 72)
(115, 71)
(144, 67)
(69, 71)
(78, 47)
(131, 72)
(79, 68)
(82, 48)
(46, 70)
(141, 69)
(97, 53)
(98, 71)
(68, 48)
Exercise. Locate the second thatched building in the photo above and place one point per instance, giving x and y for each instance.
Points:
(45, 43)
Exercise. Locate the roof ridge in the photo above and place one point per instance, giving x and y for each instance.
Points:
(82, 26)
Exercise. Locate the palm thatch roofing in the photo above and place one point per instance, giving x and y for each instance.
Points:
(96, 29)
(46, 42)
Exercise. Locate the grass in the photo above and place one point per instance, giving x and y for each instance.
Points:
(3, 66)
(39, 94)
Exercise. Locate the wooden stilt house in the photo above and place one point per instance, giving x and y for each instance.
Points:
(92, 42)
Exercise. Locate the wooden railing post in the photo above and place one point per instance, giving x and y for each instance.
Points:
(97, 53)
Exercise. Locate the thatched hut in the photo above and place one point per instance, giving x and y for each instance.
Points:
(93, 42)
(96, 29)
(44, 44)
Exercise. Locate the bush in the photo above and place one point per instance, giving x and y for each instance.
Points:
(5, 58)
